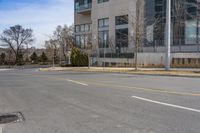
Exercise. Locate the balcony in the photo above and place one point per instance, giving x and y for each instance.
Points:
(84, 9)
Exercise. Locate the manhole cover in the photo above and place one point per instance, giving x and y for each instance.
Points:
(11, 118)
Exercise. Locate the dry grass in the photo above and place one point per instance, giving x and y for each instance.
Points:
(128, 70)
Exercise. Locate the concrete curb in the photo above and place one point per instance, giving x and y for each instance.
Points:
(120, 71)
(167, 75)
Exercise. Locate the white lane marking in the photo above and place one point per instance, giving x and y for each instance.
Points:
(120, 74)
(167, 104)
(76, 82)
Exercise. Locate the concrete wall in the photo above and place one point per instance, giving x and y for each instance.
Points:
(110, 10)
(82, 19)
(174, 49)
(148, 59)
(143, 59)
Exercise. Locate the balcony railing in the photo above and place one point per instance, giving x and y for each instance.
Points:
(83, 8)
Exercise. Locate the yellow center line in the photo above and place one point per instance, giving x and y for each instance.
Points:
(115, 86)
(102, 83)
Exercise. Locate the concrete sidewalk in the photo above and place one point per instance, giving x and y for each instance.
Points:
(141, 71)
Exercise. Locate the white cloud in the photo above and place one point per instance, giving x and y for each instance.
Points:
(41, 18)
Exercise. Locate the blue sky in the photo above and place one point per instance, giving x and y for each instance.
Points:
(40, 15)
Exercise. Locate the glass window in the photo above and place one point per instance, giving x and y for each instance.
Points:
(155, 16)
(82, 28)
(106, 22)
(101, 45)
(82, 42)
(185, 29)
(122, 37)
(77, 41)
(77, 29)
(82, 4)
(76, 5)
(102, 1)
(103, 22)
(190, 32)
(103, 39)
(149, 33)
(191, 10)
(121, 20)
(87, 27)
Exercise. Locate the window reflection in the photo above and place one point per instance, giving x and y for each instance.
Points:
(185, 22)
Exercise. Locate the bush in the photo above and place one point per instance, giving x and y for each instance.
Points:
(66, 65)
(2, 58)
(34, 58)
(20, 59)
(43, 58)
(78, 58)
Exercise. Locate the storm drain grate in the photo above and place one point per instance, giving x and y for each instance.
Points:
(11, 118)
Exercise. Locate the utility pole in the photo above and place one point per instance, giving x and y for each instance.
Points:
(69, 56)
(168, 36)
(60, 54)
(53, 57)
(27, 52)
(104, 55)
(104, 52)
(54, 51)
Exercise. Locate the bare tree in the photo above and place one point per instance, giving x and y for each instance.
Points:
(137, 26)
(57, 35)
(111, 44)
(2, 58)
(10, 56)
(68, 35)
(138, 22)
(15, 38)
(88, 48)
(65, 37)
(179, 13)
(48, 50)
(54, 44)
(52, 50)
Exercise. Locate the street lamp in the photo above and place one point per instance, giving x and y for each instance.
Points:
(168, 36)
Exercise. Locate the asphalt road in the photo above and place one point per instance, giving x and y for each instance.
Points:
(82, 102)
